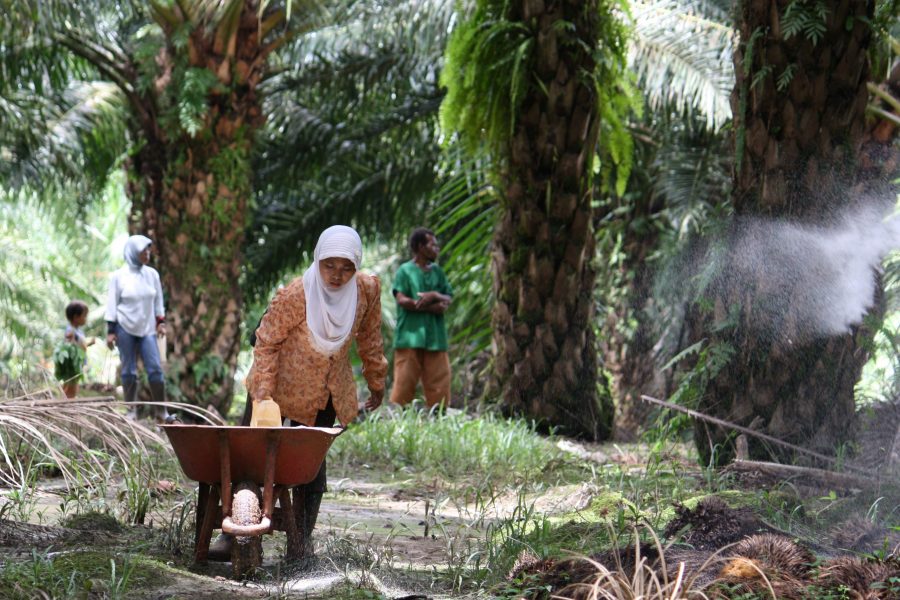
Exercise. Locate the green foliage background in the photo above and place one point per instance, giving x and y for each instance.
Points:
(52, 252)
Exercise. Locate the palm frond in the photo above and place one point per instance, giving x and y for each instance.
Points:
(41, 272)
(55, 431)
(690, 172)
(351, 135)
(489, 63)
(682, 53)
(70, 122)
(465, 213)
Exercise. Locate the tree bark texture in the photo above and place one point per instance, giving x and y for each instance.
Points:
(190, 194)
(545, 352)
(799, 112)
(800, 142)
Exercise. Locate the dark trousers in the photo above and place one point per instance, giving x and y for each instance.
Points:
(306, 498)
(324, 418)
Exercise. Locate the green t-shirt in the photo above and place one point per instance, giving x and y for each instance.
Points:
(416, 329)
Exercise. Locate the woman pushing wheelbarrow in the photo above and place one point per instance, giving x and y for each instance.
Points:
(301, 357)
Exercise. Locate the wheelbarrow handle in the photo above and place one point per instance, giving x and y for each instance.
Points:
(262, 527)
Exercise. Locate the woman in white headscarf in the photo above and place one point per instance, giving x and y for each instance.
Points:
(134, 317)
(301, 357)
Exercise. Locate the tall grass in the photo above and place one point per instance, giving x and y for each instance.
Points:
(454, 447)
(77, 574)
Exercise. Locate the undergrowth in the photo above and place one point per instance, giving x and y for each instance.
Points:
(484, 452)
(93, 574)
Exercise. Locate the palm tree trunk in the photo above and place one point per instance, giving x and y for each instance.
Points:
(546, 357)
(190, 194)
(799, 109)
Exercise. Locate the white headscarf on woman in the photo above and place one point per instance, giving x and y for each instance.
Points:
(133, 248)
(330, 313)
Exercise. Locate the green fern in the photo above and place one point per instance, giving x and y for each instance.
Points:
(784, 80)
(761, 75)
(806, 17)
(488, 62)
(193, 98)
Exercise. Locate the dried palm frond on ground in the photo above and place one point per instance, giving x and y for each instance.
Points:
(667, 576)
(646, 570)
(864, 578)
(862, 535)
(77, 436)
(757, 566)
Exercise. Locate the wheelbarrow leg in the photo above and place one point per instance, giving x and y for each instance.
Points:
(204, 532)
(202, 498)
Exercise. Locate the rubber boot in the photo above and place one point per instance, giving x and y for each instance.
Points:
(311, 514)
(307, 500)
(129, 394)
(220, 548)
(158, 394)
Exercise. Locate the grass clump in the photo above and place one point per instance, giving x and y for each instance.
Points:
(454, 447)
(76, 574)
(92, 521)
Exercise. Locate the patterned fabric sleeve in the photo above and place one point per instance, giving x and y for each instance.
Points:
(285, 312)
(369, 342)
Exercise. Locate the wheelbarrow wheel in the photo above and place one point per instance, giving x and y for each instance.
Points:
(246, 551)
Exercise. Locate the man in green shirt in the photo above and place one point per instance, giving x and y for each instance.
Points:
(420, 342)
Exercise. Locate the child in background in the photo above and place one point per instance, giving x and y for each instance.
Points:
(69, 357)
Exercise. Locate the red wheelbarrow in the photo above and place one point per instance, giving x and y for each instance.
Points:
(267, 461)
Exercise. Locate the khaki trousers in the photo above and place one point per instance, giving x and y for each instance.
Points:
(413, 364)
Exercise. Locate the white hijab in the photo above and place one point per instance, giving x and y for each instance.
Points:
(133, 248)
(330, 313)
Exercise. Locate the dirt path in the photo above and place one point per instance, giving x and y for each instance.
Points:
(380, 537)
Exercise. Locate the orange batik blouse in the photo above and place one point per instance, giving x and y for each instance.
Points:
(299, 377)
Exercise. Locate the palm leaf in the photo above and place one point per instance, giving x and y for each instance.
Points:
(466, 211)
(351, 132)
(681, 52)
(54, 429)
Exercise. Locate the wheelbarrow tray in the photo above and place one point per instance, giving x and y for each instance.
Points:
(300, 451)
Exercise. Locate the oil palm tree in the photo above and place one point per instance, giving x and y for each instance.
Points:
(345, 91)
(358, 100)
(676, 192)
(800, 104)
(531, 79)
(680, 53)
(184, 77)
